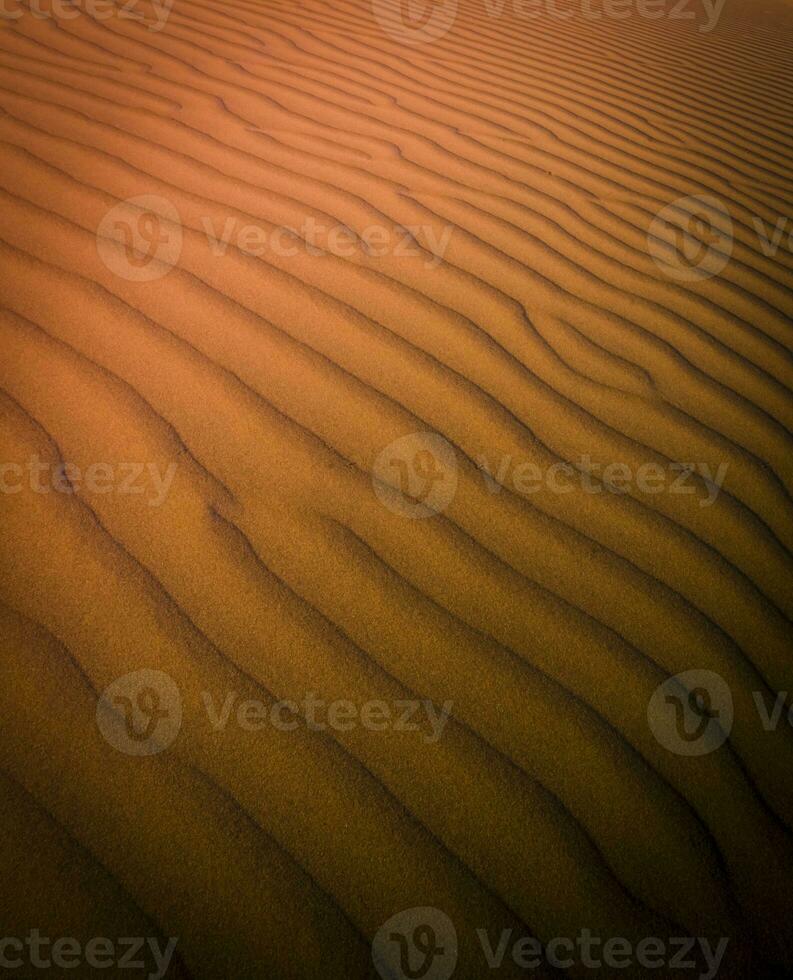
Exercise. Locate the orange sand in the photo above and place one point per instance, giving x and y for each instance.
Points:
(534, 155)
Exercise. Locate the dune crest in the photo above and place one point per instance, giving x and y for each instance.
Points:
(396, 484)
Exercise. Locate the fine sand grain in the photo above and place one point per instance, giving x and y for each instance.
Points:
(269, 431)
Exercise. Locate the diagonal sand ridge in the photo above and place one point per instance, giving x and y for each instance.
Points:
(509, 270)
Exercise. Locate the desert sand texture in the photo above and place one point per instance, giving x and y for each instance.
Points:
(395, 451)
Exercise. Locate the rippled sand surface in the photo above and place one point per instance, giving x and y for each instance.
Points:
(429, 360)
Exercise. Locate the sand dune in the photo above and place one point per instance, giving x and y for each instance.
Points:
(337, 359)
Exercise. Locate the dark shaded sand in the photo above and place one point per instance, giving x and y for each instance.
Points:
(537, 153)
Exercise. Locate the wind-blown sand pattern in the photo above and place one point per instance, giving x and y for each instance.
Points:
(526, 321)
